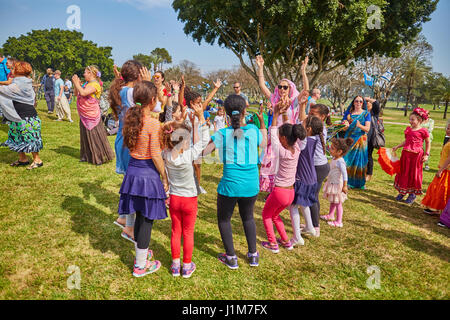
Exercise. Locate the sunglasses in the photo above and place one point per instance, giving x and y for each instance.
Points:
(282, 87)
(157, 76)
(236, 87)
(360, 101)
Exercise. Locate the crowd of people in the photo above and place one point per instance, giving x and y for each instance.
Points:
(164, 133)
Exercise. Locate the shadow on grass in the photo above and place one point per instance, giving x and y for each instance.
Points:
(411, 213)
(414, 242)
(69, 151)
(103, 234)
(102, 196)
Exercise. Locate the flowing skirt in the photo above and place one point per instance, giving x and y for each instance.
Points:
(142, 190)
(409, 180)
(94, 144)
(356, 160)
(62, 108)
(25, 136)
(438, 192)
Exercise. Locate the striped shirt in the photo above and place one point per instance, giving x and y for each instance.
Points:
(148, 145)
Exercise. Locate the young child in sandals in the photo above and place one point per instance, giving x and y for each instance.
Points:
(335, 188)
(178, 156)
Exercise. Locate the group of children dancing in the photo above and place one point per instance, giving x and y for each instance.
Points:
(163, 136)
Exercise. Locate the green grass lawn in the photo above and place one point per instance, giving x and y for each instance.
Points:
(62, 215)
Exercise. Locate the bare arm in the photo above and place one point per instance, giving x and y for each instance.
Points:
(159, 164)
(427, 149)
(78, 89)
(217, 85)
(302, 101)
(261, 80)
(304, 76)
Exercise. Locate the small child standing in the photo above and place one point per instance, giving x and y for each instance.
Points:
(409, 180)
(285, 144)
(335, 188)
(178, 156)
(219, 119)
(142, 191)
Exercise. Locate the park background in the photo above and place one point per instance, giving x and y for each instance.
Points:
(62, 215)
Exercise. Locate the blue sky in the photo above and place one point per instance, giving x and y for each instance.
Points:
(139, 26)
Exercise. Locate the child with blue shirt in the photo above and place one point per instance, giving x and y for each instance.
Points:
(238, 150)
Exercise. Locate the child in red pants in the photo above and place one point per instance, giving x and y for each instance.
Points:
(178, 156)
(286, 143)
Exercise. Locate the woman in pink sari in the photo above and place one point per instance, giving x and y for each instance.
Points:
(94, 144)
(284, 94)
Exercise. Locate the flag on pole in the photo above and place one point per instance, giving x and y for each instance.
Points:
(387, 76)
(368, 80)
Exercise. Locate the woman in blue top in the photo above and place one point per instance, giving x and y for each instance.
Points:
(238, 150)
(357, 124)
(121, 99)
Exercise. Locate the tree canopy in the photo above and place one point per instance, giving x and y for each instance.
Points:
(60, 49)
(330, 32)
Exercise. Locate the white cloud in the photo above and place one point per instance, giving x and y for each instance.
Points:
(147, 4)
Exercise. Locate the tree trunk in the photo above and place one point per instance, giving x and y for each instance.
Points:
(407, 102)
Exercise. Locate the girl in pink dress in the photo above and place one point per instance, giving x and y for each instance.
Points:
(409, 180)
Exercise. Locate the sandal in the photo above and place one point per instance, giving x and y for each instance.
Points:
(35, 165)
(19, 163)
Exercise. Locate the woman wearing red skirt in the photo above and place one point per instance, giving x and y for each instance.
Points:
(409, 180)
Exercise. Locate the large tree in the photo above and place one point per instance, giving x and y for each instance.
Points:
(60, 49)
(330, 32)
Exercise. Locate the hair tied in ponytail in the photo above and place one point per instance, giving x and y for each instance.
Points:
(138, 104)
(235, 112)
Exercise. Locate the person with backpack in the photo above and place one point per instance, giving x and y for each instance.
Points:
(375, 137)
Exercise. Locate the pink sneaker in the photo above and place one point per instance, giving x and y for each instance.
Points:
(150, 267)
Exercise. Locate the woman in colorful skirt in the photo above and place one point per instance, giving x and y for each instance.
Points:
(94, 144)
(24, 135)
(357, 125)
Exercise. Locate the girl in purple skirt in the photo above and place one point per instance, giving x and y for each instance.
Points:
(144, 185)
(306, 180)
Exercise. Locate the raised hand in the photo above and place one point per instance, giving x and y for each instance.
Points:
(117, 74)
(183, 83)
(304, 63)
(76, 79)
(259, 61)
(303, 97)
(218, 83)
(145, 74)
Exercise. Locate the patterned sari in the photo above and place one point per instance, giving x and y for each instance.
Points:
(357, 158)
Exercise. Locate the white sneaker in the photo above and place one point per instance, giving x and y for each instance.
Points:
(296, 242)
(203, 191)
(311, 232)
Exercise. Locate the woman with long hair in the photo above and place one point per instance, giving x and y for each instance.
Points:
(357, 124)
(94, 144)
